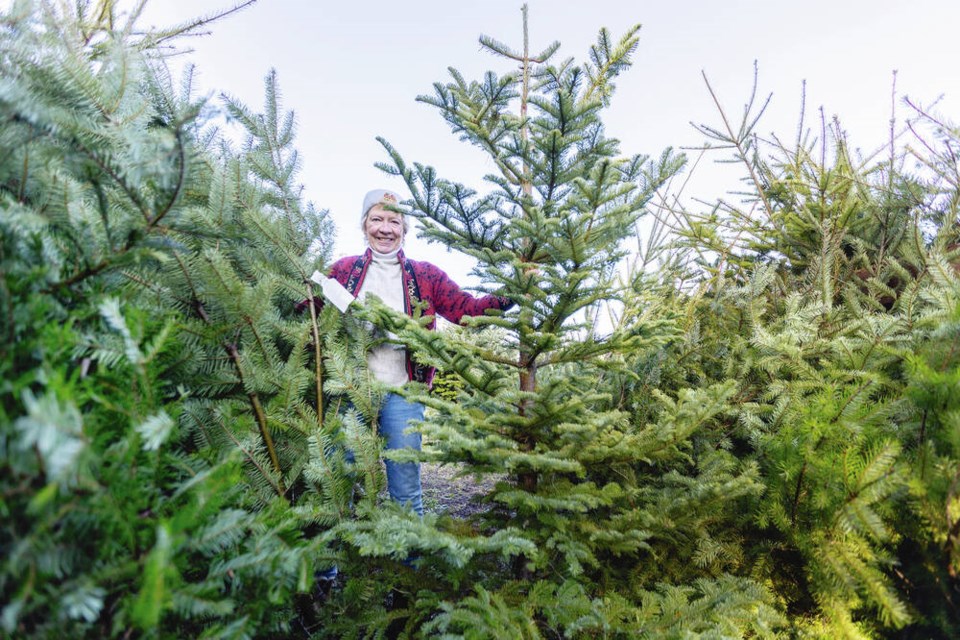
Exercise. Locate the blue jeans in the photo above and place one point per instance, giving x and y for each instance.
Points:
(403, 478)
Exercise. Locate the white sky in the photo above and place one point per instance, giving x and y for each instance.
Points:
(351, 71)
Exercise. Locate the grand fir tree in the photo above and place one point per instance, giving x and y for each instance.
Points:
(163, 441)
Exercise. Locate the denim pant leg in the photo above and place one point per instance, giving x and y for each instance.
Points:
(403, 479)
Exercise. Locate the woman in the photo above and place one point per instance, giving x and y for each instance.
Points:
(383, 270)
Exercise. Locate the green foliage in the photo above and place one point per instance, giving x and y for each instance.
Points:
(815, 294)
(156, 411)
(636, 465)
(608, 500)
(750, 429)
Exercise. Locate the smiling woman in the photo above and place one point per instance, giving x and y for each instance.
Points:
(403, 285)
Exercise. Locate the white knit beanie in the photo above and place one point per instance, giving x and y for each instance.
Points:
(375, 197)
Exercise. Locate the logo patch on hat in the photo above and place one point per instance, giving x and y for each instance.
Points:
(388, 197)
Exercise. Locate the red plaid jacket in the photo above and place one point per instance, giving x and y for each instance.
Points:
(422, 283)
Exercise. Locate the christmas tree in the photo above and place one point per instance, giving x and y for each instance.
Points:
(574, 516)
(163, 447)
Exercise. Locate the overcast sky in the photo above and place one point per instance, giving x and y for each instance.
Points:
(351, 71)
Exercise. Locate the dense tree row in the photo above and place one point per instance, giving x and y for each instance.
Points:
(748, 428)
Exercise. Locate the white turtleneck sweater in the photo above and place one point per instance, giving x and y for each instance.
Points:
(387, 361)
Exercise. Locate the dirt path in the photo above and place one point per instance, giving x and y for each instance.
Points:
(445, 492)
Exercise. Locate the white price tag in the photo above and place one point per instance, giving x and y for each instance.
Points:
(333, 291)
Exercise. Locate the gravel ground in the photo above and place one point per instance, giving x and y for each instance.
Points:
(446, 492)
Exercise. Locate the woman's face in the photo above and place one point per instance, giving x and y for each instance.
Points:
(384, 229)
